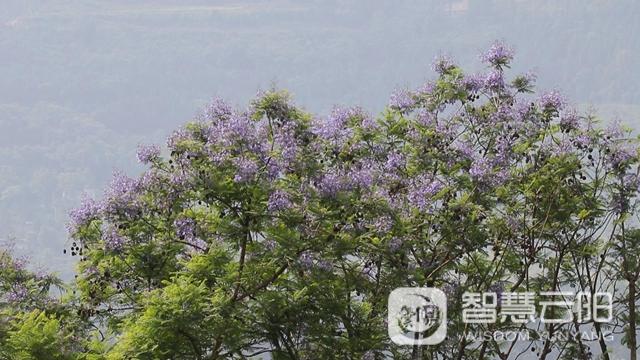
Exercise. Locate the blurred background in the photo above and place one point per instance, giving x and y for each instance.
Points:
(82, 83)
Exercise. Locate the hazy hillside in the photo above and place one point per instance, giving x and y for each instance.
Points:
(82, 82)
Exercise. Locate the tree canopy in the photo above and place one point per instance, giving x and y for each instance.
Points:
(268, 230)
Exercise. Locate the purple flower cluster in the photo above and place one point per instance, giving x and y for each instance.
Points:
(499, 54)
(363, 176)
(246, 170)
(233, 132)
(309, 261)
(473, 82)
(113, 241)
(621, 154)
(148, 153)
(17, 294)
(121, 197)
(494, 80)
(425, 117)
(331, 183)
(285, 137)
(422, 190)
(480, 168)
(551, 100)
(614, 131)
(177, 137)
(122, 187)
(306, 260)
(402, 100)
(185, 228)
(278, 200)
(335, 127)
(570, 119)
(218, 110)
(89, 209)
(395, 161)
(383, 224)
(442, 64)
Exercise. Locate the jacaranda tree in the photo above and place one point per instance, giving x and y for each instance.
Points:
(267, 230)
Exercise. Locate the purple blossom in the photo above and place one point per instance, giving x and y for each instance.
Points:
(426, 88)
(368, 123)
(622, 154)
(363, 176)
(422, 191)
(583, 141)
(401, 100)
(122, 186)
(89, 209)
(7, 263)
(121, 196)
(368, 269)
(185, 228)
(148, 153)
(383, 224)
(335, 126)
(494, 80)
(395, 161)
(278, 200)
(425, 117)
(246, 170)
(113, 241)
(218, 110)
(465, 148)
(20, 263)
(178, 178)
(285, 138)
(614, 130)
(473, 82)
(565, 146)
(503, 149)
(274, 169)
(233, 130)
(177, 137)
(18, 294)
(306, 260)
(551, 100)
(151, 178)
(442, 64)
(480, 168)
(570, 119)
(331, 183)
(499, 54)
(324, 265)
